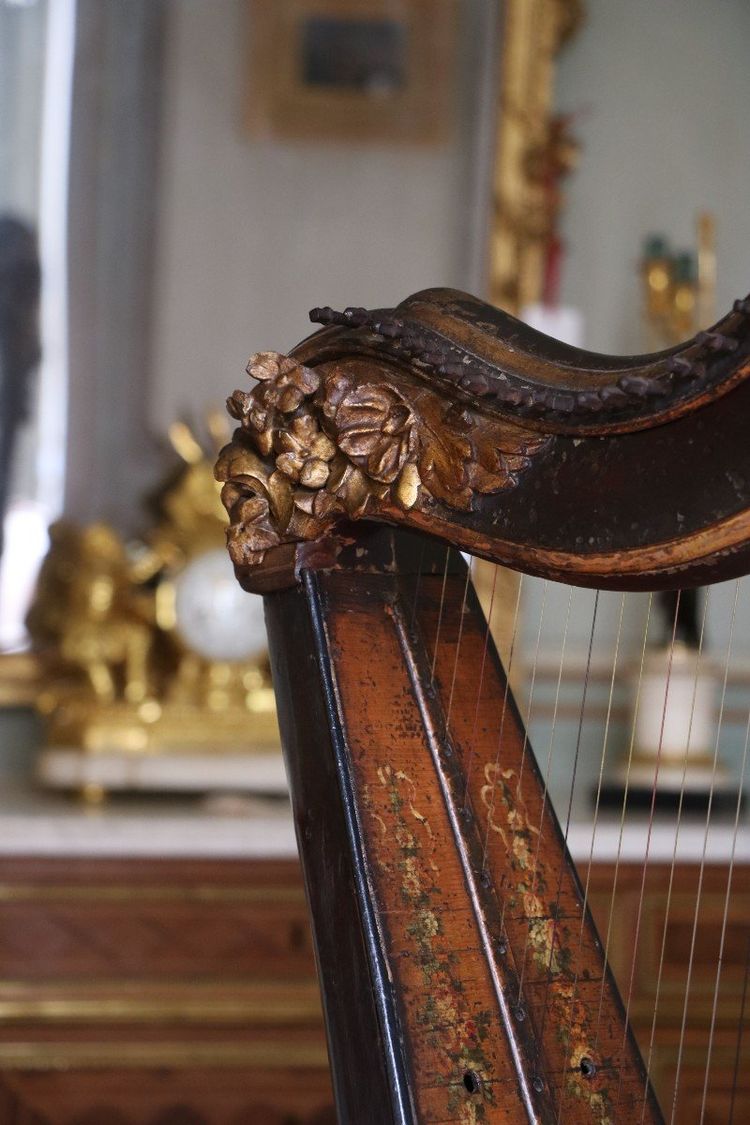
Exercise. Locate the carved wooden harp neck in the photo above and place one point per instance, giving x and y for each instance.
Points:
(488, 357)
(450, 417)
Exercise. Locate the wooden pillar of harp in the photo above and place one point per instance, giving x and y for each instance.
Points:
(461, 975)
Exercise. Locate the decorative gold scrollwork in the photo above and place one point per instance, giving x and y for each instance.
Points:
(316, 445)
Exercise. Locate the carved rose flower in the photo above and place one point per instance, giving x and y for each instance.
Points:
(284, 385)
(304, 452)
(375, 429)
(250, 533)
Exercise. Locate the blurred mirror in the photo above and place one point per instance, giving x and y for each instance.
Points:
(197, 175)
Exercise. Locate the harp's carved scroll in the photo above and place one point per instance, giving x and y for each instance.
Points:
(450, 417)
(353, 442)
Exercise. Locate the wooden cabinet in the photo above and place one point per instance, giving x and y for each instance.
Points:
(669, 919)
(147, 992)
(158, 993)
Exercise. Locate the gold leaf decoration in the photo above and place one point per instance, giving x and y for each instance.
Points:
(407, 487)
(312, 449)
(375, 429)
(444, 453)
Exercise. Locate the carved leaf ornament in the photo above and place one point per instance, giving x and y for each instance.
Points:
(313, 447)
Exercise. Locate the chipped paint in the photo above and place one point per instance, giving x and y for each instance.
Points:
(437, 1007)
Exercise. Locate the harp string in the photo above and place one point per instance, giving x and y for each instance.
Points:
(417, 585)
(610, 912)
(440, 612)
(527, 724)
(487, 634)
(502, 724)
(727, 897)
(546, 785)
(552, 748)
(649, 834)
(651, 819)
(461, 620)
(600, 778)
(740, 1030)
(602, 761)
(673, 865)
(576, 758)
(691, 958)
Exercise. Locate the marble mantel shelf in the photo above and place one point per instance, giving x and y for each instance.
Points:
(37, 823)
(687, 841)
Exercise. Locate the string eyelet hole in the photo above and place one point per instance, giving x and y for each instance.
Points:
(472, 1082)
(587, 1067)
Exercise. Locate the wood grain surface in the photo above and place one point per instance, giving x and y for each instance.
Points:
(490, 997)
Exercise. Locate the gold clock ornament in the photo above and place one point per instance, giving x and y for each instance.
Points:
(156, 673)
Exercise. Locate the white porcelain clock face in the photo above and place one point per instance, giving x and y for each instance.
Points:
(214, 615)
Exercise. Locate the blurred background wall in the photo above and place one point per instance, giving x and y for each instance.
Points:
(656, 91)
(252, 233)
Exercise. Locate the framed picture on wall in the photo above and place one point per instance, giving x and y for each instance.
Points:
(352, 70)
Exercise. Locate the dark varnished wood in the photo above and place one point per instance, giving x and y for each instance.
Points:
(357, 1002)
(484, 353)
(399, 418)
(448, 922)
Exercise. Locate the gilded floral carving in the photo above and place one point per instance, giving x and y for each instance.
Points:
(305, 452)
(315, 446)
(375, 429)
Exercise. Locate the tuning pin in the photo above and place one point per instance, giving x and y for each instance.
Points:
(680, 366)
(452, 370)
(562, 403)
(717, 341)
(613, 396)
(432, 358)
(355, 316)
(514, 396)
(637, 385)
(589, 400)
(326, 315)
(476, 383)
(391, 329)
(538, 401)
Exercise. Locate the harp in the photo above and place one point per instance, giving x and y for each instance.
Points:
(463, 977)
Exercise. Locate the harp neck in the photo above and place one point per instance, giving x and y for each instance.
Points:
(450, 418)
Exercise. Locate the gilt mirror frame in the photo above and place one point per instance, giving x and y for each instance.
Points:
(532, 34)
